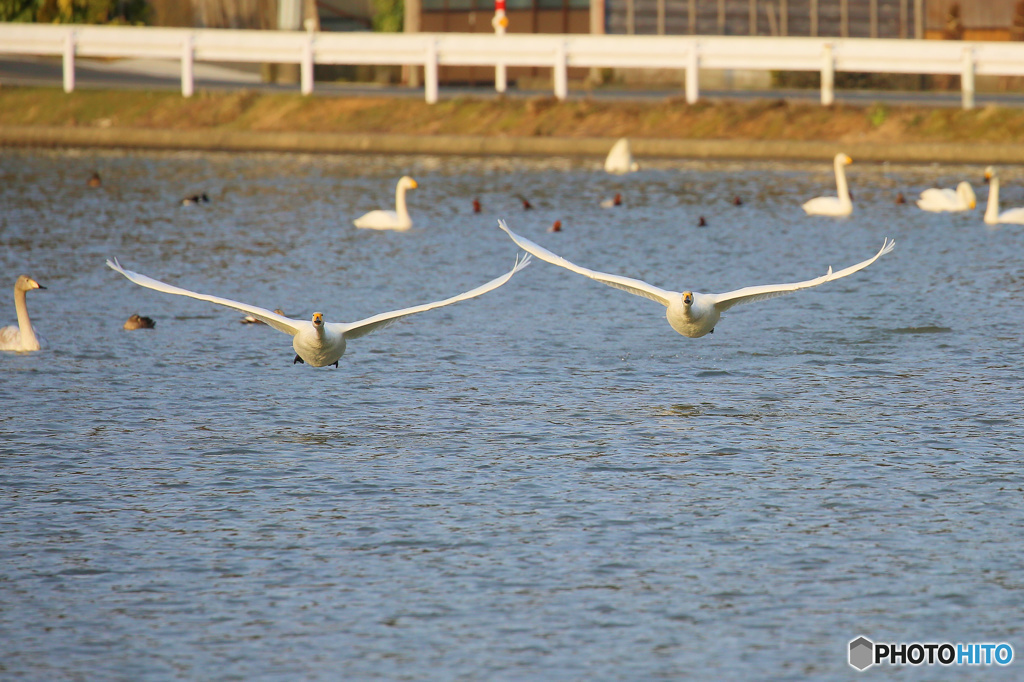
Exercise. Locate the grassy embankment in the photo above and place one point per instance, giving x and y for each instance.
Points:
(510, 117)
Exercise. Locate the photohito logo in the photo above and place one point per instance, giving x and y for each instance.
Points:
(864, 653)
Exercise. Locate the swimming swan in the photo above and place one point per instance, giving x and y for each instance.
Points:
(21, 337)
(319, 343)
(841, 205)
(620, 159)
(690, 313)
(992, 214)
(391, 220)
(938, 200)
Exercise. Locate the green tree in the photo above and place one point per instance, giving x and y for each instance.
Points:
(389, 15)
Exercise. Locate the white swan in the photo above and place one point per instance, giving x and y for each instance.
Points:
(21, 337)
(391, 220)
(319, 343)
(938, 200)
(690, 313)
(992, 215)
(620, 159)
(834, 206)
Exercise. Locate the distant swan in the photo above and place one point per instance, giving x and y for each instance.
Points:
(938, 200)
(318, 343)
(391, 220)
(841, 205)
(691, 313)
(1013, 216)
(21, 337)
(137, 321)
(620, 159)
(613, 202)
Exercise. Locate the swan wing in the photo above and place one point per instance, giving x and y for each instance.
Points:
(633, 286)
(287, 325)
(354, 330)
(759, 293)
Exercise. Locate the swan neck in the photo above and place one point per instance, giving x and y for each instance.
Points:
(400, 208)
(28, 335)
(841, 187)
(992, 208)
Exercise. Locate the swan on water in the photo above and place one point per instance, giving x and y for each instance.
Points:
(1013, 216)
(317, 342)
(620, 159)
(21, 337)
(939, 200)
(391, 220)
(691, 313)
(841, 205)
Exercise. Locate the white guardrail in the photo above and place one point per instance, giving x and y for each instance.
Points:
(558, 52)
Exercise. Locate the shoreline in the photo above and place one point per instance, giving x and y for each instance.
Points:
(476, 145)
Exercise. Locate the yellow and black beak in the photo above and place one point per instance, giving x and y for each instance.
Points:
(687, 298)
(318, 319)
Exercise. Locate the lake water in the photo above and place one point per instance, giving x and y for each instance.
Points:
(545, 483)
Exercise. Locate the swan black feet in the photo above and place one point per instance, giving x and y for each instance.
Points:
(298, 360)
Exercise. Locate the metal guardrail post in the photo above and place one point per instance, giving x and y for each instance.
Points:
(430, 71)
(187, 71)
(692, 74)
(306, 68)
(69, 61)
(828, 75)
(967, 79)
(561, 72)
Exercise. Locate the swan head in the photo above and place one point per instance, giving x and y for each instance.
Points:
(989, 174)
(26, 283)
(843, 159)
(687, 298)
(408, 183)
(318, 320)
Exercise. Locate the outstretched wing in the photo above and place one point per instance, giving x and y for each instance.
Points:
(633, 286)
(354, 330)
(759, 293)
(276, 321)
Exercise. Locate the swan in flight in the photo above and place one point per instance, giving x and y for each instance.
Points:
(691, 313)
(620, 159)
(21, 337)
(317, 342)
(938, 200)
(841, 205)
(992, 214)
(391, 220)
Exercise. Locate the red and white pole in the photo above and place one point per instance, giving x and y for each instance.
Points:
(500, 23)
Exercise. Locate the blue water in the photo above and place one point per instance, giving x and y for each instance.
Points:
(545, 483)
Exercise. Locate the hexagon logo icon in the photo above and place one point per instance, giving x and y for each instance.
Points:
(862, 653)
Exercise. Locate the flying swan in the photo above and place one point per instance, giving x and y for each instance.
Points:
(21, 337)
(391, 220)
(691, 313)
(319, 343)
(992, 214)
(938, 200)
(834, 206)
(620, 159)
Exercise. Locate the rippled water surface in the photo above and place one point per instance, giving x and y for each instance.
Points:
(543, 483)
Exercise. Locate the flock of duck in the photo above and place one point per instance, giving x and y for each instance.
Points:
(318, 342)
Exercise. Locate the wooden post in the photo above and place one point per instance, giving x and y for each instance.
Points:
(903, 19)
(828, 76)
(784, 18)
(919, 19)
(721, 17)
(69, 61)
(814, 18)
(873, 18)
(187, 70)
(752, 18)
(692, 17)
(844, 18)
(411, 24)
(430, 70)
(967, 78)
(630, 17)
(306, 69)
(692, 76)
(561, 72)
(661, 17)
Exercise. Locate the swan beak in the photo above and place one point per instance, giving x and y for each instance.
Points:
(318, 319)
(687, 298)
(413, 184)
(35, 284)
(973, 204)
(847, 160)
